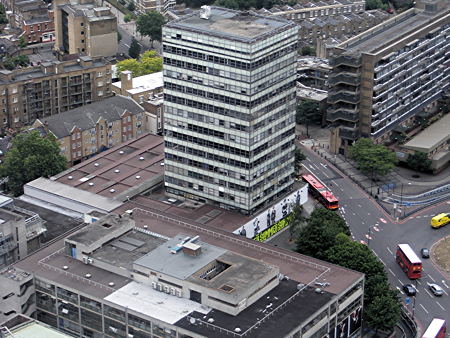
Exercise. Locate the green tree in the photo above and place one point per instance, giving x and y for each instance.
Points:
(3, 18)
(31, 156)
(8, 63)
(135, 49)
(232, 4)
(22, 42)
(150, 62)
(419, 161)
(308, 50)
(22, 60)
(131, 7)
(383, 312)
(308, 112)
(372, 159)
(381, 302)
(320, 233)
(150, 24)
(374, 4)
(127, 18)
(132, 65)
(299, 157)
(298, 221)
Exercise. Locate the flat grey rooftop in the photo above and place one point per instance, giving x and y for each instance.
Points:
(431, 137)
(178, 265)
(236, 25)
(119, 254)
(373, 40)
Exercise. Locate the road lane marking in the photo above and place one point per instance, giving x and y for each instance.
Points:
(440, 305)
(400, 281)
(431, 278)
(399, 290)
(392, 272)
(390, 250)
(424, 308)
(429, 294)
(445, 292)
(443, 282)
(337, 185)
(325, 174)
(418, 282)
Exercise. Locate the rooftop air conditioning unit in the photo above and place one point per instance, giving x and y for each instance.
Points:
(160, 287)
(154, 285)
(65, 311)
(172, 291)
(166, 289)
(90, 260)
(85, 260)
(179, 294)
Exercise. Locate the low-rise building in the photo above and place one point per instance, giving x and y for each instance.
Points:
(51, 88)
(84, 131)
(144, 6)
(34, 18)
(22, 326)
(141, 88)
(313, 72)
(21, 231)
(83, 28)
(141, 276)
(147, 90)
(433, 141)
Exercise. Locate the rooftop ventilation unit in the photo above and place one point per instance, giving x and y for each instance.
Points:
(96, 164)
(205, 12)
(121, 152)
(117, 171)
(141, 158)
(138, 177)
(112, 190)
(111, 284)
(70, 177)
(88, 275)
(91, 184)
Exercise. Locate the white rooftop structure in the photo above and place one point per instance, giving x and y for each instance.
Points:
(159, 305)
(144, 83)
(75, 199)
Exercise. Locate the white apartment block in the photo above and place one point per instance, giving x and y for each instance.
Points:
(229, 86)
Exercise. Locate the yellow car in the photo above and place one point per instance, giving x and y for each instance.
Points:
(440, 220)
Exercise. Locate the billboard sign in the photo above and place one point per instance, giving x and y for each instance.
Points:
(273, 219)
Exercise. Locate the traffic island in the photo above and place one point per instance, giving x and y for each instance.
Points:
(440, 254)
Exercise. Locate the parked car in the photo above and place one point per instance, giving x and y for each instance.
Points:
(436, 289)
(425, 253)
(409, 290)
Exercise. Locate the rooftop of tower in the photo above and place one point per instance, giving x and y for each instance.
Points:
(244, 26)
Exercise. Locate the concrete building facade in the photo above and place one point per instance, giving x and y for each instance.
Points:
(383, 77)
(229, 107)
(51, 88)
(116, 278)
(83, 28)
(21, 231)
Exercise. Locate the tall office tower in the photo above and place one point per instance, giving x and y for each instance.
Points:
(229, 91)
(383, 77)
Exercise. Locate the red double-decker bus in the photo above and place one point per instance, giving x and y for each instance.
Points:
(321, 192)
(409, 261)
(436, 329)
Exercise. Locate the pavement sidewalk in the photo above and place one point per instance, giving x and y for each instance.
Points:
(401, 181)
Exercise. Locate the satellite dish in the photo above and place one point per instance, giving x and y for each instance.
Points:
(192, 320)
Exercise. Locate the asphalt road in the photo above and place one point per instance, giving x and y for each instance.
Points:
(367, 219)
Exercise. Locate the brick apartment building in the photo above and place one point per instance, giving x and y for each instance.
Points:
(51, 88)
(84, 131)
(34, 18)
